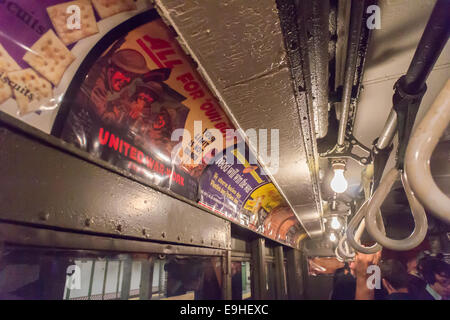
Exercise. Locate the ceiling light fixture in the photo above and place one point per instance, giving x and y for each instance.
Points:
(339, 183)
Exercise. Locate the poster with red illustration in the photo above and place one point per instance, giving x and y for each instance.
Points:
(132, 92)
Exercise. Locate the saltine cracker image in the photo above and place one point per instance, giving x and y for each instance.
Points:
(58, 15)
(30, 90)
(5, 91)
(108, 8)
(50, 57)
(7, 63)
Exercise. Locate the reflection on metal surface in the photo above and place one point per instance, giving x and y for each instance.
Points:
(388, 132)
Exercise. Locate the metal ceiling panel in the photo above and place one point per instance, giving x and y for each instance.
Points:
(239, 48)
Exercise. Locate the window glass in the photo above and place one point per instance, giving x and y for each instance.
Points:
(240, 280)
(187, 278)
(246, 285)
(32, 273)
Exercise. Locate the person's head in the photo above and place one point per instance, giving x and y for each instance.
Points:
(393, 276)
(119, 78)
(125, 64)
(436, 273)
(411, 264)
(145, 96)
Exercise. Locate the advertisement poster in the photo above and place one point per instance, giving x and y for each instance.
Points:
(244, 194)
(42, 44)
(113, 81)
(226, 184)
(134, 89)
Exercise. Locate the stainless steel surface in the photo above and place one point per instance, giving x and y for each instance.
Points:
(389, 130)
(357, 12)
(47, 187)
(240, 52)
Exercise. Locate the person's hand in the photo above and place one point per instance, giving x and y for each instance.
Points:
(363, 261)
(360, 266)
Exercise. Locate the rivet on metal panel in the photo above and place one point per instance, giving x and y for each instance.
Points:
(44, 216)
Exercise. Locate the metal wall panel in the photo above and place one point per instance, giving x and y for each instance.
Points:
(45, 186)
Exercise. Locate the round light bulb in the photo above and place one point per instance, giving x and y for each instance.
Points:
(335, 224)
(333, 237)
(339, 183)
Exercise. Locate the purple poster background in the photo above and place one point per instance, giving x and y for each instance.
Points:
(22, 23)
(225, 187)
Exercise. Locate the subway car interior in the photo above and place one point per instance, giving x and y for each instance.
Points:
(224, 150)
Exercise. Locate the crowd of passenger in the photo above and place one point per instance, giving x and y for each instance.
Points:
(422, 277)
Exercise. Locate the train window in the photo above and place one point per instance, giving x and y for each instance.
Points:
(187, 278)
(246, 284)
(240, 280)
(36, 274)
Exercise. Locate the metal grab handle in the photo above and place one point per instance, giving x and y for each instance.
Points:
(353, 238)
(343, 248)
(359, 221)
(418, 153)
(418, 213)
(338, 256)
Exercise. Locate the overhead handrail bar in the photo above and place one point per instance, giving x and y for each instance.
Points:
(358, 221)
(419, 151)
(418, 213)
(409, 91)
(344, 250)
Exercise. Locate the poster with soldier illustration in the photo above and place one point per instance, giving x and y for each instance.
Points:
(134, 89)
